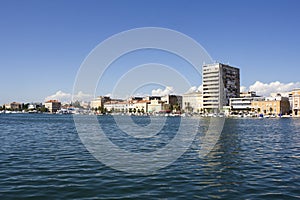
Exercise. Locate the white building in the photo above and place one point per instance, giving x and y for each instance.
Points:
(220, 83)
(155, 106)
(241, 104)
(296, 102)
(116, 106)
(192, 102)
(53, 106)
(141, 106)
(244, 102)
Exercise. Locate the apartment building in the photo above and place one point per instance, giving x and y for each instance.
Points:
(220, 83)
(53, 106)
(296, 102)
(13, 106)
(244, 102)
(272, 105)
(172, 102)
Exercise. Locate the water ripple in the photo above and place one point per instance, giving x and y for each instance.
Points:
(42, 158)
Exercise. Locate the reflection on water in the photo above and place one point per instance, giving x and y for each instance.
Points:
(42, 158)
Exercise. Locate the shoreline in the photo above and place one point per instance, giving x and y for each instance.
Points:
(159, 115)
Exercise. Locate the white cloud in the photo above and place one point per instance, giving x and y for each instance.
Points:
(200, 88)
(60, 95)
(160, 92)
(265, 89)
(80, 96)
(67, 97)
(195, 89)
(192, 89)
(243, 89)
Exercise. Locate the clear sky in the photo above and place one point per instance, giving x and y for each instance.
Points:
(43, 43)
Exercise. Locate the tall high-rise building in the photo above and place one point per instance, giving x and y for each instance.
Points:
(220, 83)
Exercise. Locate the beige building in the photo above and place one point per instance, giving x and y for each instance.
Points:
(14, 106)
(141, 106)
(53, 105)
(296, 102)
(192, 102)
(271, 105)
(99, 102)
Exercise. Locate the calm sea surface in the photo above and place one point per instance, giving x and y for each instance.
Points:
(42, 157)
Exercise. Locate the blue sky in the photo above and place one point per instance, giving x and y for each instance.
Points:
(43, 43)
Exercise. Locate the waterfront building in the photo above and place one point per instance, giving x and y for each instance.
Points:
(99, 102)
(172, 102)
(296, 102)
(155, 106)
(53, 106)
(14, 106)
(244, 102)
(272, 105)
(220, 83)
(192, 102)
(116, 106)
(241, 104)
(6, 106)
(141, 106)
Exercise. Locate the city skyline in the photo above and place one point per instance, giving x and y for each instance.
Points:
(44, 43)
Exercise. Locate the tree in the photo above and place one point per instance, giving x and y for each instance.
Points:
(171, 107)
(176, 107)
(25, 106)
(101, 109)
(42, 109)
